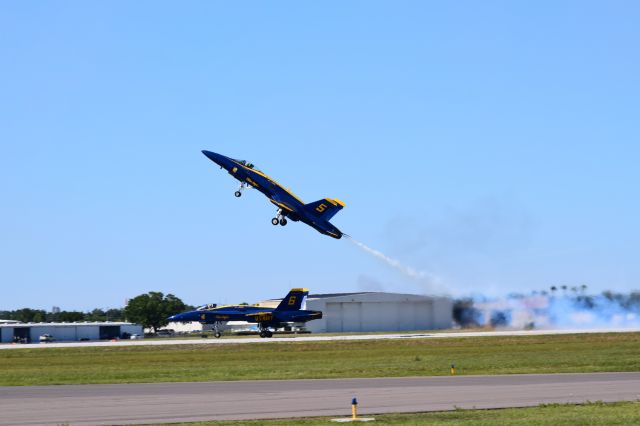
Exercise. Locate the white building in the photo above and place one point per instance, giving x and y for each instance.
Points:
(67, 331)
(373, 311)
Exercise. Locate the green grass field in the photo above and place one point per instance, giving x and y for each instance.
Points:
(619, 413)
(298, 360)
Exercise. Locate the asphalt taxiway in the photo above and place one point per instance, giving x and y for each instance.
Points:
(184, 402)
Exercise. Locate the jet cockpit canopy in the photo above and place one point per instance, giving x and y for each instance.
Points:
(207, 307)
(248, 164)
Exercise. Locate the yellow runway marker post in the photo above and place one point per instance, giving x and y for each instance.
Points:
(354, 415)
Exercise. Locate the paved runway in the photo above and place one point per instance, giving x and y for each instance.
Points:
(175, 402)
(313, 338)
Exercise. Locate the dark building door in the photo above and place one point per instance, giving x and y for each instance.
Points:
(22, 334)
(108, 332)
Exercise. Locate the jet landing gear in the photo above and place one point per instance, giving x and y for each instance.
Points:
(216, 332)
(265, 332)
(279, 219)
(238, 193)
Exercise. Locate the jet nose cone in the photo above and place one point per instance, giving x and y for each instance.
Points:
(219, 159)
(210, 155)
(215, 157)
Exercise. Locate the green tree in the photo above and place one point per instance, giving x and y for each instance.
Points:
(29, 315)
(70, 316)
(152, 309)
(114, 314)
(96, 315)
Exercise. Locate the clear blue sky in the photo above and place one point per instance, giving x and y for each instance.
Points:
(494, 145)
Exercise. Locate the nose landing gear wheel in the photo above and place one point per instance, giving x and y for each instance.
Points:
(283, 221)
(274, 221)
(217, 334)
(237, 193)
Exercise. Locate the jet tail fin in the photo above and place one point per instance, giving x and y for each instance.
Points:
(295, 300)
(325, 208)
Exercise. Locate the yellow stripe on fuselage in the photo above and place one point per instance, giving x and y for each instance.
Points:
(227, 306)
(271, 180)
(281, 205)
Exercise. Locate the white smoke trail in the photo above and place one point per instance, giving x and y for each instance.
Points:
(406, 270)
(431, 282)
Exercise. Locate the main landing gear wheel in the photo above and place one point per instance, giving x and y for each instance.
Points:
(237, 193)
(216, 329)
(279, 219)
(266, 333)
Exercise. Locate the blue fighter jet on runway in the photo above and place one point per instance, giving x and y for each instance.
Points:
(316, 215)
(292, 309)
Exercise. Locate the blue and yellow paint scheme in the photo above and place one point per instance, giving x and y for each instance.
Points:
(292, 309)
(316, 214)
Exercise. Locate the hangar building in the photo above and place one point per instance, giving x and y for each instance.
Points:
(355, 312)
(375, 311)
(67, 331)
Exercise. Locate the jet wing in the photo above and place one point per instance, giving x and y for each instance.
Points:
(278, 202)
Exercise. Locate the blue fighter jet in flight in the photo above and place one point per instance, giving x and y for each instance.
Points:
(292, 309)
(316, 214)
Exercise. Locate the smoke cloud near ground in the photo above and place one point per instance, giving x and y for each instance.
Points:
(551, 311)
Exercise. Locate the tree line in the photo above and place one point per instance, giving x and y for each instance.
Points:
(40, 315)
(151, 310)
